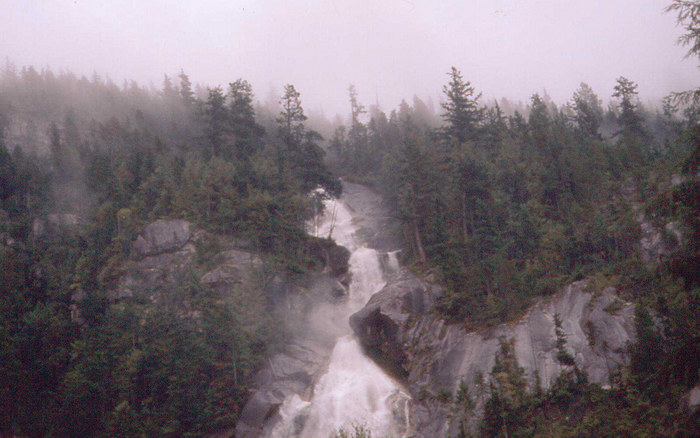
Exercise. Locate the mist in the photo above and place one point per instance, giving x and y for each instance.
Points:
(390, 50)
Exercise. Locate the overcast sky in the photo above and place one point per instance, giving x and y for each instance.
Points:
(390, 49)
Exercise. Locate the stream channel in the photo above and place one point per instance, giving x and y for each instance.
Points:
(353, 390)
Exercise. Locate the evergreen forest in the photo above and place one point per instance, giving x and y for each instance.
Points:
(501, 203)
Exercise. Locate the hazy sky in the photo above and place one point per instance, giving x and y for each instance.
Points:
(390, 49)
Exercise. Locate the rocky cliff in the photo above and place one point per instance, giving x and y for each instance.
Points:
(167, 251)
(398, 328)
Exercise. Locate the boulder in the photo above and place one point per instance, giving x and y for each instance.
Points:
(381, 323)
(163, 236)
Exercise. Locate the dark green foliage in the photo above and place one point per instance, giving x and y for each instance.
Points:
(572, 407)
(506, 409)
(247, 132)
(588, 112)
(513, 208)
(462, 111)
(174, 362)
(8, 173)
(563, 357)
(216, 116)
(161, 372)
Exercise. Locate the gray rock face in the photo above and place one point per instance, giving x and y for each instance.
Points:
(381, 324)
(163, 236)
(370, 216)
(156, 272)
(432, 357)
(292, 371)
(300, 363)
(165, 254)
(658, 243)
(233, 267)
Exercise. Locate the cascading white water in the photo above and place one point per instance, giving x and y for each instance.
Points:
(354, 390)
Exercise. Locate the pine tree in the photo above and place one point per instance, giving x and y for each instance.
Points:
(59, 156)
(248, 134)
(688, 15)
(563, 357)
(358, 158)
(588, 111)
(291, 119)
(186, 93)
(629, 119)
(217, 120)
(462, 112)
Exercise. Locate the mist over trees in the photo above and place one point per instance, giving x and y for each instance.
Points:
(504, 208)
(501, 203)
(84, 166)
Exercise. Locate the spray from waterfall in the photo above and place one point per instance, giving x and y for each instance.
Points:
(353, 390)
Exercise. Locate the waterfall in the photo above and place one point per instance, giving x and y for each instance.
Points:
(353, 390)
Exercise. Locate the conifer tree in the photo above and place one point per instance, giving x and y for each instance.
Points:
(588, 111)
(462, 112)
(217, 118)
(186, 93)
(248, 133)
(629, 119)
(359, 158)
(291, 119)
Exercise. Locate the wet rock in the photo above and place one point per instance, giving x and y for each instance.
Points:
(259, 408)
(291, 371)
(381, 323)
(370, 216)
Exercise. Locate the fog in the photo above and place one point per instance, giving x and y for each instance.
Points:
(390, 49)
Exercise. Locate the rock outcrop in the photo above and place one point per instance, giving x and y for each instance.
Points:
(290, 371)
(165, 254)
(658, 243)
(433, 358)
(163, 236)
